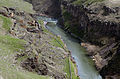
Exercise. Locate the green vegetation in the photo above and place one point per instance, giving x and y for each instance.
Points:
(43, 27)
(56, 41)
(18, 4)
(67, 68)
(41, 23)
(86, 2)
(8, 49)
(6, 22)
(73, 68)
(12, 43)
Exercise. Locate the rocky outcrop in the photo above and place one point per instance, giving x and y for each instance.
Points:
(112, 70)
(39, 54)
(48, 7)
(91, 18)
(97, 24)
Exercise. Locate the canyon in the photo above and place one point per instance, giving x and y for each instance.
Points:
(30, 51)
(27, 49)
(96, 23)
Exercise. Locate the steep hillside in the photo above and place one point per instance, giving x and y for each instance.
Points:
(11, 45)
(27, 49)
(17, 4)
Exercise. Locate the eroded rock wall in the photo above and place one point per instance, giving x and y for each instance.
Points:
(97, 24)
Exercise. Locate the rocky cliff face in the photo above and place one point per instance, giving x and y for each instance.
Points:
(95, 22)
(98, 24)
(27, 49)
(38, 55)
(112, 70)
(48, 7)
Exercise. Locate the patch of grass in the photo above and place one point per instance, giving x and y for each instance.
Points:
(45, 30)
(56, 41)
(86, 2)
(67, 69)
(6, 22)
(89, 2)
(9, 47)
(14, 74)
(41, 22)
(73, 68)
(12, 43)
(18, 4)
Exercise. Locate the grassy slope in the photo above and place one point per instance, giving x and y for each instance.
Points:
(86, 2)
(56, 41)
(73, 68)
(9, 46)
(6, 22)
(18, 4)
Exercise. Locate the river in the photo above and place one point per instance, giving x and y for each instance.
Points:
(86, 69)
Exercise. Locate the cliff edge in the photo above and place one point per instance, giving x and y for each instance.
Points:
(97, 24)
